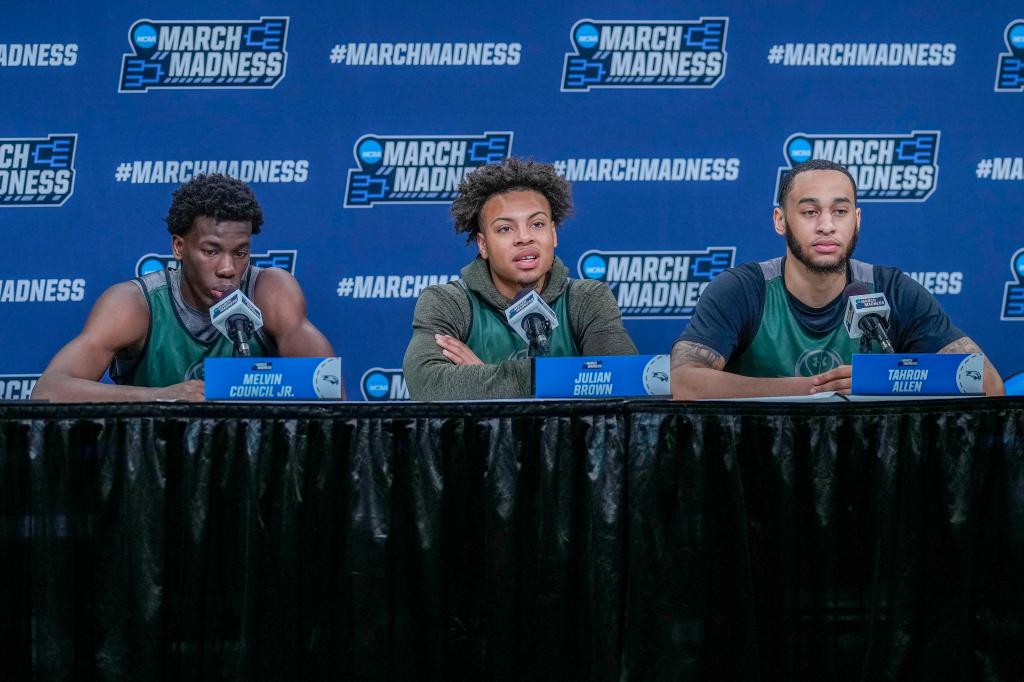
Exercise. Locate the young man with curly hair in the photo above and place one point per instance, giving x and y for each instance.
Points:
(153, 332)
(462, 348)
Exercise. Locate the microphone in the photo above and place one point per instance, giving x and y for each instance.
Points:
(532, 319)
(237, 318)
(867, 315)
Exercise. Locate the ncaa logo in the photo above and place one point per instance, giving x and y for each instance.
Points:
(370, 152)
(1013, 293)
(379, 384)
(594, 266)
(815, 361)
(799, 150)
(586, 36)
(144, 37)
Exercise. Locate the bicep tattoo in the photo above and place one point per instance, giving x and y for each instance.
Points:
(687, 354)
(962, 345)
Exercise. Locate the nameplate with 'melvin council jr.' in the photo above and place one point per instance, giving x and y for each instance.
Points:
(272, 378)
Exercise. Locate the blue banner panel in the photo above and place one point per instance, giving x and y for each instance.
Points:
(354, 124)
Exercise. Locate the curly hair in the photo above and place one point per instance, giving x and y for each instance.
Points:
(218, 196)
(510, 175)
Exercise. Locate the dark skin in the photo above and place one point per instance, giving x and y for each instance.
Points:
(213, 256)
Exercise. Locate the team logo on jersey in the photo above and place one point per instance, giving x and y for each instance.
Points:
(37, 171)
(656, 284)
(1010, 71)
(1013, 294)
(284, 259)
(383, 384)
(815, 361)
(418, 169)
(645, 54)
(205, 54)
(17, 386)
(886, 167)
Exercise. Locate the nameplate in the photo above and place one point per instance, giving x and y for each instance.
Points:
(601, 376)
(272, 378)
(917, 374)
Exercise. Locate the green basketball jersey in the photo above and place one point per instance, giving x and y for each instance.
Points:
(494, 341)
(782, 347)
(174, 352)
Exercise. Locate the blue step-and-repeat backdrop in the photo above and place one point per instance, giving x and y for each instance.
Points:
(355, 121)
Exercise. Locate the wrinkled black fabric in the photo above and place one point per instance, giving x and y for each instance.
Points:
(607, 540)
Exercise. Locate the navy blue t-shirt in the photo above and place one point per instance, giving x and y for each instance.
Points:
(728, 313)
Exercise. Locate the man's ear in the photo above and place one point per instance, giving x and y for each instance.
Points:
(779, 218)
(177, 245)
(481, 245)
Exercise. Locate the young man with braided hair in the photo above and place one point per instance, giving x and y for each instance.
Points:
(462, 348)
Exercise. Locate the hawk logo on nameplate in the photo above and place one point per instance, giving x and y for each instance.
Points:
(37, 171)
(886, 167)
(645, 54)
(326, 382)
(379, 384)
(418, 169)
(1010, 70)
(656, 376)
(656, 284)
(284, 259)
(226, 54)
(1013, 293)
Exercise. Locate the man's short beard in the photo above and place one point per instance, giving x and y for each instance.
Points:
(798, 252)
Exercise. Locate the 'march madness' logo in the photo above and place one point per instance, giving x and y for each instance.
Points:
(1013, 293)
(1010, 71)
(887, 167)
(645, 54)
(205, 54)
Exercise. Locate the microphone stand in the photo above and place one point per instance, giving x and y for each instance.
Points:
(241, 329)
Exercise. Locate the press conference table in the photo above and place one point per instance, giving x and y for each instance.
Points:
(513, 540)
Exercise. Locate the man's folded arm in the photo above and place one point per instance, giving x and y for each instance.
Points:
(431, 376)
(119, 319)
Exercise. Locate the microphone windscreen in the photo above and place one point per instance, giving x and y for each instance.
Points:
(854, 289)
(523, 292)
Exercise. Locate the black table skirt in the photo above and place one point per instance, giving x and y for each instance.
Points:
(639, 540)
